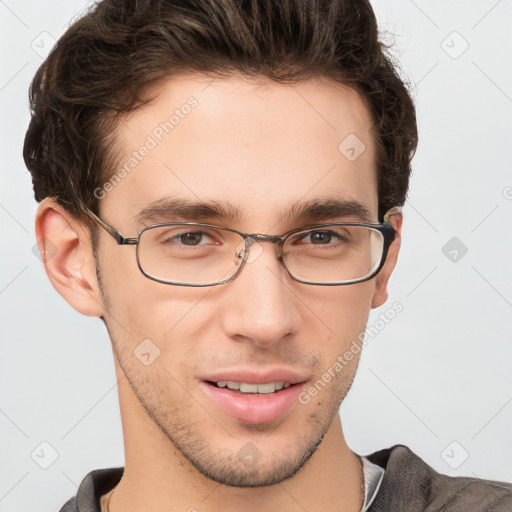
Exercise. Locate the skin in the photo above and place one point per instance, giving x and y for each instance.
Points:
(261, 146)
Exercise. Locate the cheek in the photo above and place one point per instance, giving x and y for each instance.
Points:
(345, 314)
(343, 308)
(139, 309)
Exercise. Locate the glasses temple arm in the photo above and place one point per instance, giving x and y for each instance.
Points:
(120, 239)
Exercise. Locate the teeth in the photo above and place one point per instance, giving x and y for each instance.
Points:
(245, 387)
(252, 388)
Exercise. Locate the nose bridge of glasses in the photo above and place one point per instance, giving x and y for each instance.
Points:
(253, 238)
(274, 239)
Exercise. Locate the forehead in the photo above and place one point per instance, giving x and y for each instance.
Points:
(255, 144)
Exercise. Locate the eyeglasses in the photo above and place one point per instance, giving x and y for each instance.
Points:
(196, 254)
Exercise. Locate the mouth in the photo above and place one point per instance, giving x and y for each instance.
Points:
(252, 389)
(254, 403)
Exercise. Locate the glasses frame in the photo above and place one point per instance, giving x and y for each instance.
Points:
(388, 233)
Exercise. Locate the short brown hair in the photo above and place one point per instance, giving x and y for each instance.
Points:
(104, 63)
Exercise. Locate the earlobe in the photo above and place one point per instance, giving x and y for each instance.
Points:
(67, 256)
(380, 295)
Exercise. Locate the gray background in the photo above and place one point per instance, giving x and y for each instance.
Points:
(436, 378)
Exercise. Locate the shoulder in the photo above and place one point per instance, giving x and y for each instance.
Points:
(69, 506)
(409, 483)
(93, 486)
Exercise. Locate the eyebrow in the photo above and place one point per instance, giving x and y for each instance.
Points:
(315, 210)
(172, 207)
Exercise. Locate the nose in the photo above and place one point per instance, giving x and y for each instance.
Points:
(262, 301)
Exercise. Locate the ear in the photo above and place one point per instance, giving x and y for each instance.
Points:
(380, 295)
(65, 247)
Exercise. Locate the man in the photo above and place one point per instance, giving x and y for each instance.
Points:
(252, 156)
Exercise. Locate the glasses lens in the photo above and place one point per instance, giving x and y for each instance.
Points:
(201, 255)
(196, 255)
(334, 254)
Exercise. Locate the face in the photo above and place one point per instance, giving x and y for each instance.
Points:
(260, 148)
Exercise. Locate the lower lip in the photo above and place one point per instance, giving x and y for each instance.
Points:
(254, 408)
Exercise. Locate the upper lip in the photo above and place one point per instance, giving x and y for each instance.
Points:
(256, 377)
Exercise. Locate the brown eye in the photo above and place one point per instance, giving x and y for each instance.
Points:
(190, 238)
(323, 237)
(320, 237)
